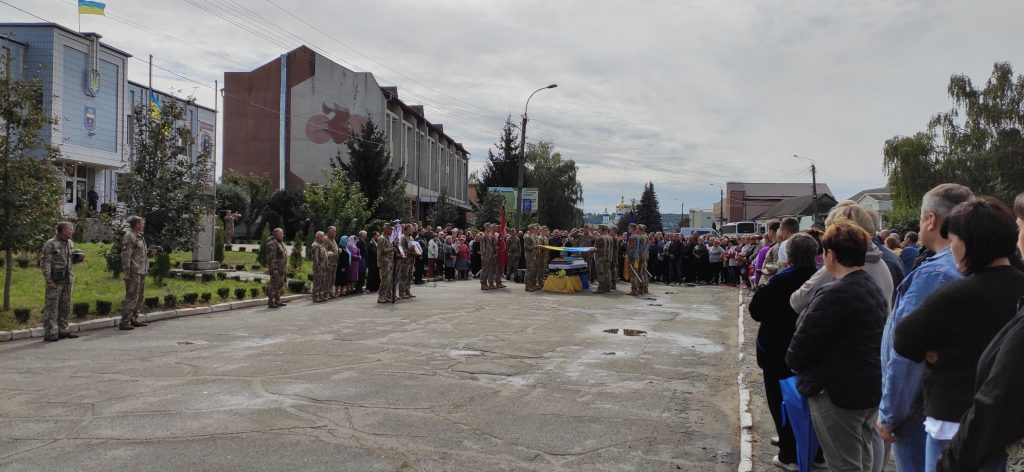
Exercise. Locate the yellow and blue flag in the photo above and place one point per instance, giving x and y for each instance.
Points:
(154, 105)
(89, 7)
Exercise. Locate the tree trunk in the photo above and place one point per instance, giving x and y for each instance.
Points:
(9, 267)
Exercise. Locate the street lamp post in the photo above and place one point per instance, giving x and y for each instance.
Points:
(522, 159)
(814, 190)
(721, 205)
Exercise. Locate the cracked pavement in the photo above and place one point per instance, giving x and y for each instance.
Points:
(457, 379)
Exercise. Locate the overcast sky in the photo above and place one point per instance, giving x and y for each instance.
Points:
(687, 94)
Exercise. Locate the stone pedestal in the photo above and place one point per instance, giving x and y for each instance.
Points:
(202, 255)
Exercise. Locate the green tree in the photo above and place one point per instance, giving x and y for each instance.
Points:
(502, 169)
(339, 203)
(369, 165)
(443, 212)
(163, 185)
(489, 209)
(295, 261)
(978, 143)
(257, 191)
(31, 188)
(559, 189)
(230, 197)
(287, 204)
(647, 212)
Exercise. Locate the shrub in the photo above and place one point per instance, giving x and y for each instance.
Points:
(161, 267)
(80, 309)
(310, 277)
(296, 286)
(224, 266)
(151, 302)
(254, 292)
(207, 277)
(112, 257)
(236, 278)
(256, 267)
(239, 293)
(222, 276)
(103, 307)
(190, 298)
(206, 296)
(290, 275)
(176, 264)
(227, 247)
(240, 267)
(296, 256)
(223, 293)
(22, 314)
(170, 300)
(23, 263)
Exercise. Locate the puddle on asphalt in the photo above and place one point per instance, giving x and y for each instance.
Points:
(463, 353)
(627, 332)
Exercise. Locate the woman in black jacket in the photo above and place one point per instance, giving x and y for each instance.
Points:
(955, 324)
(770, 307)
(835, 351)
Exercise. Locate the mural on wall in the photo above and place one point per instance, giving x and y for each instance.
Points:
(333, 124)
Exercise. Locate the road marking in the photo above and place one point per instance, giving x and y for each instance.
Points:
(746, 421)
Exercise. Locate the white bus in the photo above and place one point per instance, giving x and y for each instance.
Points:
(733, 230)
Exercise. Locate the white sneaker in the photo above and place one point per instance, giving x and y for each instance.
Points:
(784, 466)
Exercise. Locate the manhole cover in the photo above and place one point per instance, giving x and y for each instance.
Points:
(627, 332)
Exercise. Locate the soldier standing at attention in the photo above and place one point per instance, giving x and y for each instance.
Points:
(541, 257)
(319, 255)
(514, 251)
(529, 245)
(633, 261)
(331, 274)
(386, 266)
(643, 247)
(56, 263)
(277, 262)
(498, 246)
(406, 261)
(601, 254)
(135, 265)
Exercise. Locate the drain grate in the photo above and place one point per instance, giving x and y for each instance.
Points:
(627, 332)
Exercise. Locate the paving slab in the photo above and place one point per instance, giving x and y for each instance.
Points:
(456, 379)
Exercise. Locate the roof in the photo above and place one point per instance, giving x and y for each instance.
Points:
(161, 92)
(880, 193)
(801, 205)
(775, 189)
(64, 29)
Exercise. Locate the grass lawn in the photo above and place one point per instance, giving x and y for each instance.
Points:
(93, 282)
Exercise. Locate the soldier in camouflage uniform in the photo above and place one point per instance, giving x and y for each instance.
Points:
(499, 246)
(277, 263)
(318, 253)
(643, 254)
(56, 263)
(601, 259)
(386, 266)
(135, 265)
(541, 258)
(513, 251)
(406, 263)
(331, 270)
(633, 261)
(529, 246)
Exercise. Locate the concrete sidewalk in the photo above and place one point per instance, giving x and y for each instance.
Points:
(457, 379)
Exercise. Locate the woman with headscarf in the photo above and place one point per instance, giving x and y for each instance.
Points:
(341, 281)
(355, 259)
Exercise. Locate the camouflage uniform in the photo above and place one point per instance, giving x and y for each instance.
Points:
(331, 270)
(601, 257)
(135, 265)
(540, 261)
(614, 257)
(386, 265)
(319, 256)
(633, 261)
(513, 257)
(643, 254)
(277, 262)
(486, 257)
(529, 245)
(496, 268)
(405, 268)
(57, 270)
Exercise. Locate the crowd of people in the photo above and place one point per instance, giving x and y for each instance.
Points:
(905, 348)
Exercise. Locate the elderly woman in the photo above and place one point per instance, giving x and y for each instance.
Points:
(835, 352)
(341, 276)
(991, 435)
(955, 324)
(770, 307)
(355, 258)
(450, 255)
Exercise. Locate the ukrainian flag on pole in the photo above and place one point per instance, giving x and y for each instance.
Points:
(154, 105)
(89, 7)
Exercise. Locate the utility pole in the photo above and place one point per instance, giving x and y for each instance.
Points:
(721, 206)
(814, 194)
(522, 159)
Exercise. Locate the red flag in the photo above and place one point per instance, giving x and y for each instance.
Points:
(502, 245)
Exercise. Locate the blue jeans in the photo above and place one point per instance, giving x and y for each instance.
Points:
(910, 446)
(932, 451)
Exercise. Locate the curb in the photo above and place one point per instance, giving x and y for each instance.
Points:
(112, 322)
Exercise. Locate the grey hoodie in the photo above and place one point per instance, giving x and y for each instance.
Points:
(873, 265)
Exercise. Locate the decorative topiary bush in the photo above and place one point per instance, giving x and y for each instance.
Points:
(236, 278)
(254, 292)
(151, 302)
(22, 314)
(239, 293)
(170, 300)
(296, 286)
(223, 293)
(222, 276)
(256, 267)
(80, 309)
(206, 296)
(227, 247)
(207, 277)
(240, 267)
(103, 307)
(190, 298)
(23, 263)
